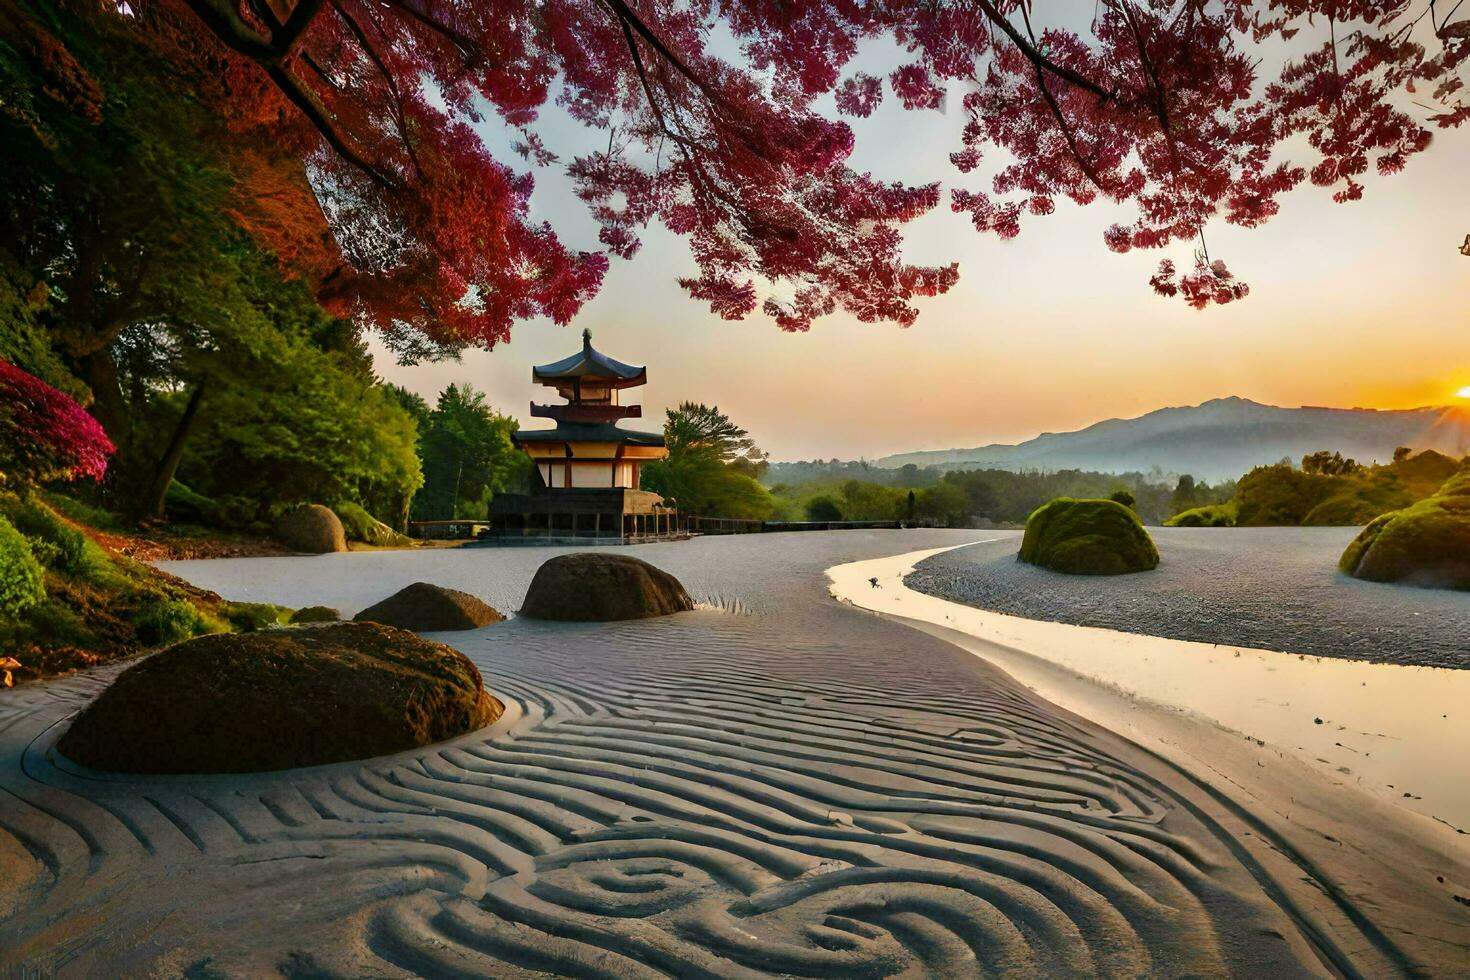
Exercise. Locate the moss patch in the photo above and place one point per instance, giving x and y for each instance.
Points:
(1087, 537)
(363, 527)
(1213, 515)
(280, 699)
(1427, 544)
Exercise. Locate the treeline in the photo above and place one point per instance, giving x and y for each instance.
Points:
(1326, 490)
(966, 497)
(834, 472)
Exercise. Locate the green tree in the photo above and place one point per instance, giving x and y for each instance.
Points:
(1185, 496)
(712, 466)
(303, 429)
(467, 454)
(128, 264)
(823, 508)
(944, 503)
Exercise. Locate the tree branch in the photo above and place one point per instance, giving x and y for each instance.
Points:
(1037, 58)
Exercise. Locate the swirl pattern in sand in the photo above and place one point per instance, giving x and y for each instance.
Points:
(797, 789)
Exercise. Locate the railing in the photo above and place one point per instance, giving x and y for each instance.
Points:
(731, 525)
(450, 529)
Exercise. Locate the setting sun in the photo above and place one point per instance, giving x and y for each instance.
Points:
(1463, 392)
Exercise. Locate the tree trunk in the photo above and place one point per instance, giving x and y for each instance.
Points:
(151, 504)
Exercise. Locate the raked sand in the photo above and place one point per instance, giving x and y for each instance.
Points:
(776, 783)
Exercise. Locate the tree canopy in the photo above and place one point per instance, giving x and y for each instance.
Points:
(712, 466)
(135, 269)
(350, 126)
(467, 454)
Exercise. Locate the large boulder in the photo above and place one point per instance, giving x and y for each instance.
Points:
(1087, 537)
(312, 529)
(597, 587)
(1426, 544)
(426, 608)
(280, 699)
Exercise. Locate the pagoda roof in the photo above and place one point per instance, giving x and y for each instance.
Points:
(589, 432)
(590, 363)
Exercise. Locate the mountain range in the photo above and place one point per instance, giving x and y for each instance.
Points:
(1219, 439)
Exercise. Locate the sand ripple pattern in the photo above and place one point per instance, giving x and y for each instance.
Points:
(808, 791)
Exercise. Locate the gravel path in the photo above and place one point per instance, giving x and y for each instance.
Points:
(1268, 588)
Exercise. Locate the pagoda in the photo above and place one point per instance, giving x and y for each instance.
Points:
(588, 468)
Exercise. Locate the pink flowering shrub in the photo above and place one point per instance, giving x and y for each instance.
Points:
(45, 434)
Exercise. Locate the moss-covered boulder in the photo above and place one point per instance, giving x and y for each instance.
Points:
(315, 614)
(1426, 544)
(278, 700)
(599, 587)
(359, 525)
(426, 608)
(1212, 515)
(312, 529)
(1087, 537)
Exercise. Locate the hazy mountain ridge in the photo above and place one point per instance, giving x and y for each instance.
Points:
(1219, 439)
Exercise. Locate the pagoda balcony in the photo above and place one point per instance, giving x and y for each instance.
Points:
(586, 412)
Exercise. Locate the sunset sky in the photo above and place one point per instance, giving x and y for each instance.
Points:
(1362, 304)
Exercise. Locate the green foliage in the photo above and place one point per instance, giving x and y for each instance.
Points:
(870, 502)
(1088, 537)
(183, 504)
(1213, 515)
(134, 269)
(361, 526)
(710, 467)
(1331, 464)
(1124, 497)
(693, 427)
(54, 543)
(823, 508)
(22, 580)
(1425, 544)
(252, 617)
(943, 503)
(1331, 492)
(82, 512)
(304, 431)
(161, 620)
(467, 454)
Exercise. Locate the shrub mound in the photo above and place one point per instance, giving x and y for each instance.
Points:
(597, 587)
(22, 580)
(312, 529)
(1211, 515)
(278, 700)
(425, 608)
(1087, 537)
(1426, 544)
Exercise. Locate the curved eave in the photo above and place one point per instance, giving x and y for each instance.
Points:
(588, 363)
(589, 433)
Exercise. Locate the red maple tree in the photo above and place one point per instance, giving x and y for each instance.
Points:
(45, 434)
(1191, 110)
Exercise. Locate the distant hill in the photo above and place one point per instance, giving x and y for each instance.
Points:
(1220, 439)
